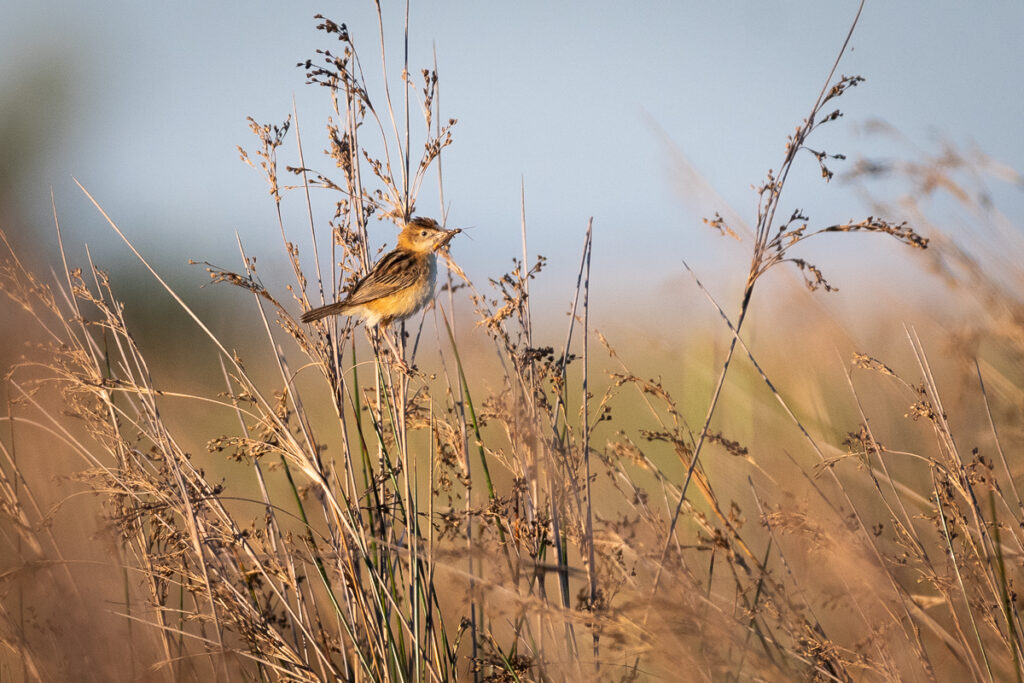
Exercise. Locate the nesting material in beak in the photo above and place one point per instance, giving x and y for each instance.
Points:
(443, 243)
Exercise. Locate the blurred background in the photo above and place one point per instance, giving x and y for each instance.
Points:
(647, 120)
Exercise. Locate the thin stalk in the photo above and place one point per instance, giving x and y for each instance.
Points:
(960, 580)
(1005, 602)
(591, 568)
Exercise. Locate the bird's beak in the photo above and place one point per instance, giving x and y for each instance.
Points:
(446, 237)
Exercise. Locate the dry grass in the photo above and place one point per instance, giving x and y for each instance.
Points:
(531, 508)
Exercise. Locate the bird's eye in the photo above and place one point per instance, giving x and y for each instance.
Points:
(423, 233)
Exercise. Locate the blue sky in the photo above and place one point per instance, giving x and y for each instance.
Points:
(584, 102)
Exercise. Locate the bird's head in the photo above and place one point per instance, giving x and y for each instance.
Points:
(424, 235)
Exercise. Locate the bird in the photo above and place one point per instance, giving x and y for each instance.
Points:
(399, 284)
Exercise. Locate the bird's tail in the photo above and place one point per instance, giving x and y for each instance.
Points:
(336, 308)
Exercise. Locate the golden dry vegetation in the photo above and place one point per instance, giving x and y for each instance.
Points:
(783, 491)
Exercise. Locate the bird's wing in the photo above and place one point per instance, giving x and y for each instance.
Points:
(396, 271)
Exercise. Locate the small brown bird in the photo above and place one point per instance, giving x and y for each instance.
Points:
(399, 284)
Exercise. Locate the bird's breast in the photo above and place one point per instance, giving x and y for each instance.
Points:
(424, 290)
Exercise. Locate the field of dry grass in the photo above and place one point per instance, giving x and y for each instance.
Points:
(781, 491)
